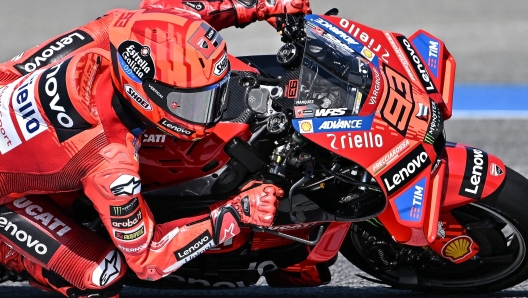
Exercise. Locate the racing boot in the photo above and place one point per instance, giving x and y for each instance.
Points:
(17, 268)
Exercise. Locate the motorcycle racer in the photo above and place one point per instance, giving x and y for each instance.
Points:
(71, 112)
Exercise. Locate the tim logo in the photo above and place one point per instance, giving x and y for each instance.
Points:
(410, 203)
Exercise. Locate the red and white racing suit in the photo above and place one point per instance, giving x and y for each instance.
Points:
(59, 132)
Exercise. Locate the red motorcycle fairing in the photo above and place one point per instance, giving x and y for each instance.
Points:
(412, 216)
(441, 66)
(465, 175)
(471, 175)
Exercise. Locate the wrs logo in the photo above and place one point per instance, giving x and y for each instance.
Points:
(330, 112)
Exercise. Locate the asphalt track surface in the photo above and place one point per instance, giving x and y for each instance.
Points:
(488, 39)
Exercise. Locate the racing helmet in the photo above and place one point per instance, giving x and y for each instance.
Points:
(171, 70)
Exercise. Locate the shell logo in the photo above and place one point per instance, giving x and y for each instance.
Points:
(457, 248)
(367, 53)
(306, 126)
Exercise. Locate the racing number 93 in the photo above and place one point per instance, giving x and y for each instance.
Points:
(399, 103)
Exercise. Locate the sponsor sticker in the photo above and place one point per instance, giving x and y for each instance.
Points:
(154, 138)
(55, 51)
(44, 218)
(418, 66)
(390, 157)
(204, 41)
(134, 95)
(136, 61)
(108, 270)
(129, 222)
(410, 202)
(175, 127)
(26, 236)
(126, 185)
(406, 170)
(130, 236)
(330, 112)
(336, 124)
(457, 248)
(429, 48)
(133, 250)
(125, 209)
(436, 124)
(355, 140)
(221, 66)
(474, 174)
(195, 247)
(28, 116)
(305, 126)
(9, 138)
(495, 170)
(57, 104)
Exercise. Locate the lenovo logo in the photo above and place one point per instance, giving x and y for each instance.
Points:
(406, 170)
(474, 174)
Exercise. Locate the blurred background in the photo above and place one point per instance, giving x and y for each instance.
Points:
(487, 38)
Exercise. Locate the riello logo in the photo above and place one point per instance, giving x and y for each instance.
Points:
(406, 170)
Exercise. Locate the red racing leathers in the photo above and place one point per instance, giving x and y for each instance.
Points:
(59, 132)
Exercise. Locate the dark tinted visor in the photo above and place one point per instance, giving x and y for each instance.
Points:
(199, 105)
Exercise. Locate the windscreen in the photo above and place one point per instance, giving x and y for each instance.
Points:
(333, 76)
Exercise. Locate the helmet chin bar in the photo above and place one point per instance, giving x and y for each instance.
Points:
(130, 117)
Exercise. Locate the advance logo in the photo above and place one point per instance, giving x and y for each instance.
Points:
(410, 202)
(474, 174)
(406, 170)
(335, 124)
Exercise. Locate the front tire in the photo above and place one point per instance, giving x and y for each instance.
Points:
(502, 264)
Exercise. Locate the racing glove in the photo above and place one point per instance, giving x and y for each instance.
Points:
(225, 13)
(255, 205)
(269, 12)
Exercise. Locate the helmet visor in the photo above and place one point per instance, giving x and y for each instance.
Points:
(198, 105)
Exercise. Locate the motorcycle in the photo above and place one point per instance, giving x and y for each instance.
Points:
(348, 120)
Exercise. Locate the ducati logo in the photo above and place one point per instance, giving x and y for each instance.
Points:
(495, 170)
